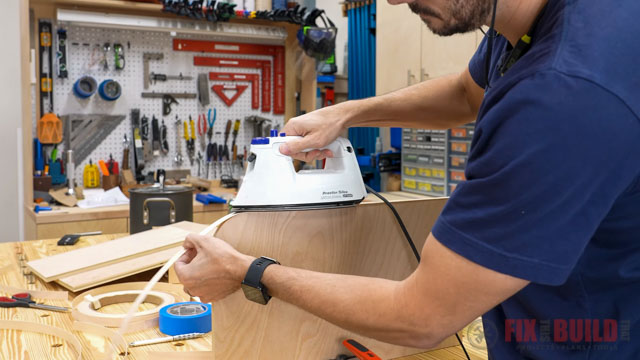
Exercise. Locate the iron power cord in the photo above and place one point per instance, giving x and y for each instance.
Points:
(491, 33)
(411, 244)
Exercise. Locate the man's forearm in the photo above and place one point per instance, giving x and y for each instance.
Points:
(369, 306)
(440, 103)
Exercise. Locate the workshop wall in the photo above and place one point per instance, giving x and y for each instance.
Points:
(85, 57)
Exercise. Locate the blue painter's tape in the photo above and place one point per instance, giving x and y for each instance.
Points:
(110, 90)
(184, 318)
(85, 87)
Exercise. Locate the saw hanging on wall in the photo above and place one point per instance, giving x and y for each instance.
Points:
(220, 91)
(276, 51)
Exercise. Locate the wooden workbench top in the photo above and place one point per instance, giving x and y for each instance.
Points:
(24, 345)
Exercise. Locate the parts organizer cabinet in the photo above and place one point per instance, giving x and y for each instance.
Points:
(109, 220)
(433, 161)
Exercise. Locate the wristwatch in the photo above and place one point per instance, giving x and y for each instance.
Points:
(253, 289)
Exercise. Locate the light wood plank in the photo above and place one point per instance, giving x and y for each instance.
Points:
(69, 263)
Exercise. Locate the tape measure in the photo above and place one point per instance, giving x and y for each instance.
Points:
(185, 317)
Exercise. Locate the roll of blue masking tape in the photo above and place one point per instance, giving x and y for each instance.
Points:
(185, 317)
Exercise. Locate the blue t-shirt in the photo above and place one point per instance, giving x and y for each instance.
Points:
(553, 186)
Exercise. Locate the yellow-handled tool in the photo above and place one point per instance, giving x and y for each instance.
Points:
(186, 131)
(190, 139)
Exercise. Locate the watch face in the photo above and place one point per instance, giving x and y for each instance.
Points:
(253, 294)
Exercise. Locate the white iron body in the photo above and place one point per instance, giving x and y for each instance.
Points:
(272, 184)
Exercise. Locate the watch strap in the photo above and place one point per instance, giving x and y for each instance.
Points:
(256, 269)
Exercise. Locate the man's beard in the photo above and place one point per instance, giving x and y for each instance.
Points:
(462, 16)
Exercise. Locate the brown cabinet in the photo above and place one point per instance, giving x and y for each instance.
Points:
(407, 52)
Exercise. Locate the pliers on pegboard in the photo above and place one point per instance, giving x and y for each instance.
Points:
(210, 122)
(202, 130)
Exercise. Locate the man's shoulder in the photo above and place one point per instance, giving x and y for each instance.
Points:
(597, 42)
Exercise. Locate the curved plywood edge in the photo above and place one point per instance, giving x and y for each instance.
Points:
(362, 240)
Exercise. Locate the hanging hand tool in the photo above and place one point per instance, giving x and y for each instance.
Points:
(227, 131)
(202, 130)
(178, 158)
(138, 152)
(220, 91)
(118, 53)
(112, 166)
(225, 151)
(155, 130)
(146, 57)
(125, 153)
(46, 66)
(220, 157)
(210, 122)
(168, 99)
(236, 128)
(191, 146)
(144, 134)
(105, 63)
(212, 156)
(103, 168)
(154, 78)
(61, 54)
(164, 144)
(24, 300)
(203, 90)
(199, 163)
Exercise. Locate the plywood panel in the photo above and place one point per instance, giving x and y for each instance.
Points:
(57, 230)
(363, 240)
(105, 274)
(73, 262)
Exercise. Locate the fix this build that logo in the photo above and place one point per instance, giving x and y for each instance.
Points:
(575, 334)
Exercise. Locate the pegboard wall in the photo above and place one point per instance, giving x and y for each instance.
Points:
(84, 52)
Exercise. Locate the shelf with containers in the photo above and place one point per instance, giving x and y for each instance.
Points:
(433, 161)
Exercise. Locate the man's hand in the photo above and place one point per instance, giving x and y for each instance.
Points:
(211, 268)
(318, 128)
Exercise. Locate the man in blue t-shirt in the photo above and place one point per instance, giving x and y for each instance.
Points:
(543, 239)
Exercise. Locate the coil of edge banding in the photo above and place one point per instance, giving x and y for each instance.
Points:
(185, 318)
(85, 305)
(85, 87)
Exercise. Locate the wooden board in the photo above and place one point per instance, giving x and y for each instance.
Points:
(119, 270)
(89, 258)
(363, 240)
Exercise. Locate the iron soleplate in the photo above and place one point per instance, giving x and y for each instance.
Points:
(296, 207)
